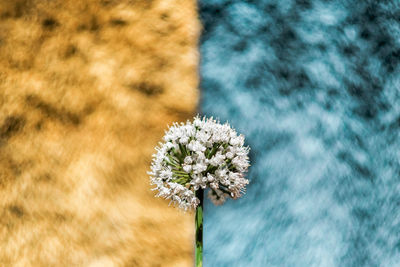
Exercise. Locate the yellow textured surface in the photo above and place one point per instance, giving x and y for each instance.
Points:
(87, 89)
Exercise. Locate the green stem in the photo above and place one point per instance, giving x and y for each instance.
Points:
(213, 151)
(199, 229)
(183, 151)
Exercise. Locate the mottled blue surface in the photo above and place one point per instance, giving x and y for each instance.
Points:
(315, 87)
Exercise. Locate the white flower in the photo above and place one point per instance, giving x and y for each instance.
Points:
(210, 177)
(187, 168)
(217, 159)
(200, 154)
(229, 155)
(199, 168)
(184, 140)
(188, 160)
(166, 174)
(196, 146)
(237, 140)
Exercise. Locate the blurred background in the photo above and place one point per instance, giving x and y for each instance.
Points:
(315, 87)
(87, 89)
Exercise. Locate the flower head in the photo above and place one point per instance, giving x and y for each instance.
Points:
(200, 154)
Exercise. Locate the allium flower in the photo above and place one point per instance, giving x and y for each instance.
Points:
(200, 154)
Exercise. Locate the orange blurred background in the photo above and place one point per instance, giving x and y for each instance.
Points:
(87, 89)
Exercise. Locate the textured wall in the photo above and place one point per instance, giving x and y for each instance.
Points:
(86, 91)
(314, 85)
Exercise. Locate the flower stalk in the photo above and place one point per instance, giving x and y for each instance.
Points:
(199, 229)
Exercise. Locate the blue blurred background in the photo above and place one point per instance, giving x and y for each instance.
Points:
(315, 87)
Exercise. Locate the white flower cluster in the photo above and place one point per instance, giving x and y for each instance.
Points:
(200, 154)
